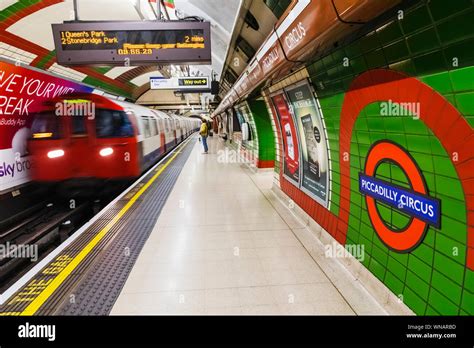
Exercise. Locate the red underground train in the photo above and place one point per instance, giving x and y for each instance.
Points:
(79, 139)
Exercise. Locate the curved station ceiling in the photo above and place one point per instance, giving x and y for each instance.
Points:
(26, 38)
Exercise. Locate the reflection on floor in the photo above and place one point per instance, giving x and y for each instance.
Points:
(220, 246)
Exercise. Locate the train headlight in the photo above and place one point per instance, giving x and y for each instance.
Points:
(55, 153)
(107, 151)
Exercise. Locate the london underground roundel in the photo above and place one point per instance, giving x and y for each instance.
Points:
(415, 202)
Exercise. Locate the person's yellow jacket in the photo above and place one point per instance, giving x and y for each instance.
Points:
(203, 131)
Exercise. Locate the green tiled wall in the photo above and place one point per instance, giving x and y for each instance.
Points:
(266, 139)
(252, 144)
(278, 7)
(434, 41)
(262, 143)
(278, 144)
(434, 271)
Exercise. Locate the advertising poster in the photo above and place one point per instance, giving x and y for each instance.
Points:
(314, 148)
(240, 116)
(22, 93)
(243, 113)
(291, 158)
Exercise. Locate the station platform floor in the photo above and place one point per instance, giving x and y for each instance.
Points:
(225, 244)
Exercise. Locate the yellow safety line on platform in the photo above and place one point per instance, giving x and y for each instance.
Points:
(51, 288)
(6, 314)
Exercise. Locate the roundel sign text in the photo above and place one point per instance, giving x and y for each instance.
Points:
(415, 202)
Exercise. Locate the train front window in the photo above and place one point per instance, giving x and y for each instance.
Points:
(113, 124)
(79, 125)
(46, 125)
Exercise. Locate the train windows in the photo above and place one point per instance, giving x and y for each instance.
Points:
(146, 124)
(153, 129)
(113, 124)
(78, 125)
(46, 126)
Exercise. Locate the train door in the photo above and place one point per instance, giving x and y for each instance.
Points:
(161, 131)
(170, 138)
(183, 128)
(174, 129)
(81, 163)
(152, 142)
(161, 122)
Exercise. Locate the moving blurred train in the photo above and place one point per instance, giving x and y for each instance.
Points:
(87, 138)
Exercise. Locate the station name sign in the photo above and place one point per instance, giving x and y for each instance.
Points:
(132, 43)
(180, 83)
(420, 206)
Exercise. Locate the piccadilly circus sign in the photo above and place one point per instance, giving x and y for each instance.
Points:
(423, 210)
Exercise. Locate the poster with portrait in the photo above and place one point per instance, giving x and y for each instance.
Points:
(314, 145)
(291, 151)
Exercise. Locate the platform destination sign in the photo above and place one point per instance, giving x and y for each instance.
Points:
(201, 84)
(132, 43)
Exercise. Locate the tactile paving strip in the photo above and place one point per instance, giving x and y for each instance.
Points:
(95, 284)
(98, 290)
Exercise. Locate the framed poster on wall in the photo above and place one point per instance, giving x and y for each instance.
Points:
(314, 146)
(243, 113)
(234, 125)
(240, 116)
(291, 148)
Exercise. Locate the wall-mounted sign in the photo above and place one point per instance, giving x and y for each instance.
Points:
(291, 158)
(133, 43)
(416, 203)
(314, 146)
(180, 83)
(193, 82)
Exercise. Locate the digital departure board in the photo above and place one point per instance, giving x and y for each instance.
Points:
(132, 43)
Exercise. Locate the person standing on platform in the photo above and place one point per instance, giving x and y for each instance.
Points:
(204, 132)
